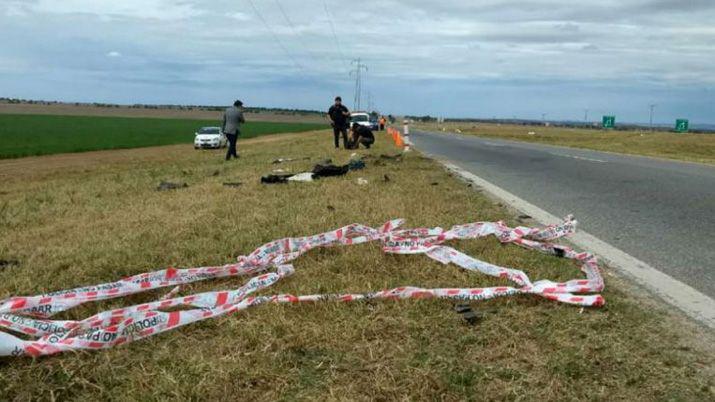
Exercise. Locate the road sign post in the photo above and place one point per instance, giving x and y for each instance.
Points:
(609, 121)
(681, 125)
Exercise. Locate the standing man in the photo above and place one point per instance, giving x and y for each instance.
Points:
(232, 119)
(339, 117)
(383, 121)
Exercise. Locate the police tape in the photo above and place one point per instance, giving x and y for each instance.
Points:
(29, 315)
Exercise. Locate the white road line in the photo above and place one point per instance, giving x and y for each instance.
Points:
(579, 157)
(689, 300)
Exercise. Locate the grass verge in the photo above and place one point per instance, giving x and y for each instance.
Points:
(687, 147)
(27, 135)
(79, 227)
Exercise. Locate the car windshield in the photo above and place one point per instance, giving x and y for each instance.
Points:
(358, 118)
(209, 130)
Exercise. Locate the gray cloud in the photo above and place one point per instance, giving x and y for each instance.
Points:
(165, 43)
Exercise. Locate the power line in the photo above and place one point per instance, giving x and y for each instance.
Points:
(359, 67)
(293, 28)
(335, 36)
(275, 37)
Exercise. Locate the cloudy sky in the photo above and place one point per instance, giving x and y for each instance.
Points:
(483, 58)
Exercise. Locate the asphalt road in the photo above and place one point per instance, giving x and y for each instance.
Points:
(661, 212)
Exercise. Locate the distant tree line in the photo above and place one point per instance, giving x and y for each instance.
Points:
(423, 119)
(174, 107)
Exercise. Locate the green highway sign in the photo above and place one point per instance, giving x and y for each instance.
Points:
(609, 121)
(681, 126)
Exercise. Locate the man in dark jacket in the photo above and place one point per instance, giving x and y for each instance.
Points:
(339, 117)
(361, 135)
(232, 119)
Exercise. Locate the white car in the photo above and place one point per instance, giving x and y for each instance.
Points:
(210, 137)
(360, 118)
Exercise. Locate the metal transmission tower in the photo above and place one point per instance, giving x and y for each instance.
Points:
(652, 106)
(359, 67)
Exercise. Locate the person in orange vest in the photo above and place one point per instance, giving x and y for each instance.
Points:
(383, 121)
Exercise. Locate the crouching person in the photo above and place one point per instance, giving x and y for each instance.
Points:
(361, 135)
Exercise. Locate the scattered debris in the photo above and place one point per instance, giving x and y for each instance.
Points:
(233, 184)
(215, 173)
(330, 170)
(434, 183)
(524, 216)
(532, 133)
(325, 162)
(356, 164)
(458, 131)
(166, 185)
(307, 176)
(331, 208)
(281, 160)
(470, 316)
(8, 263)
(361, 181)
(275, 178)
(323, 169)
(386, 178)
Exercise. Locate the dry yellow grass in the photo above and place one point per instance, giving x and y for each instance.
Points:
(688, 147)
(74, 226)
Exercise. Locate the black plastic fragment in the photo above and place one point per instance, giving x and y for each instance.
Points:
(559, 252)
(275, 178)
(166, 185)
(470, 316)
(8, 263)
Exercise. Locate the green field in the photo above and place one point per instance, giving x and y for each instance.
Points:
(27, 135)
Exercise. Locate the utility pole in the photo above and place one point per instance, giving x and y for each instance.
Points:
(585, 116)
(359, 67)
(652, 106)
(543, 118)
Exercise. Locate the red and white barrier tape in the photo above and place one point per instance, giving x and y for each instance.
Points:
(29, 315)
